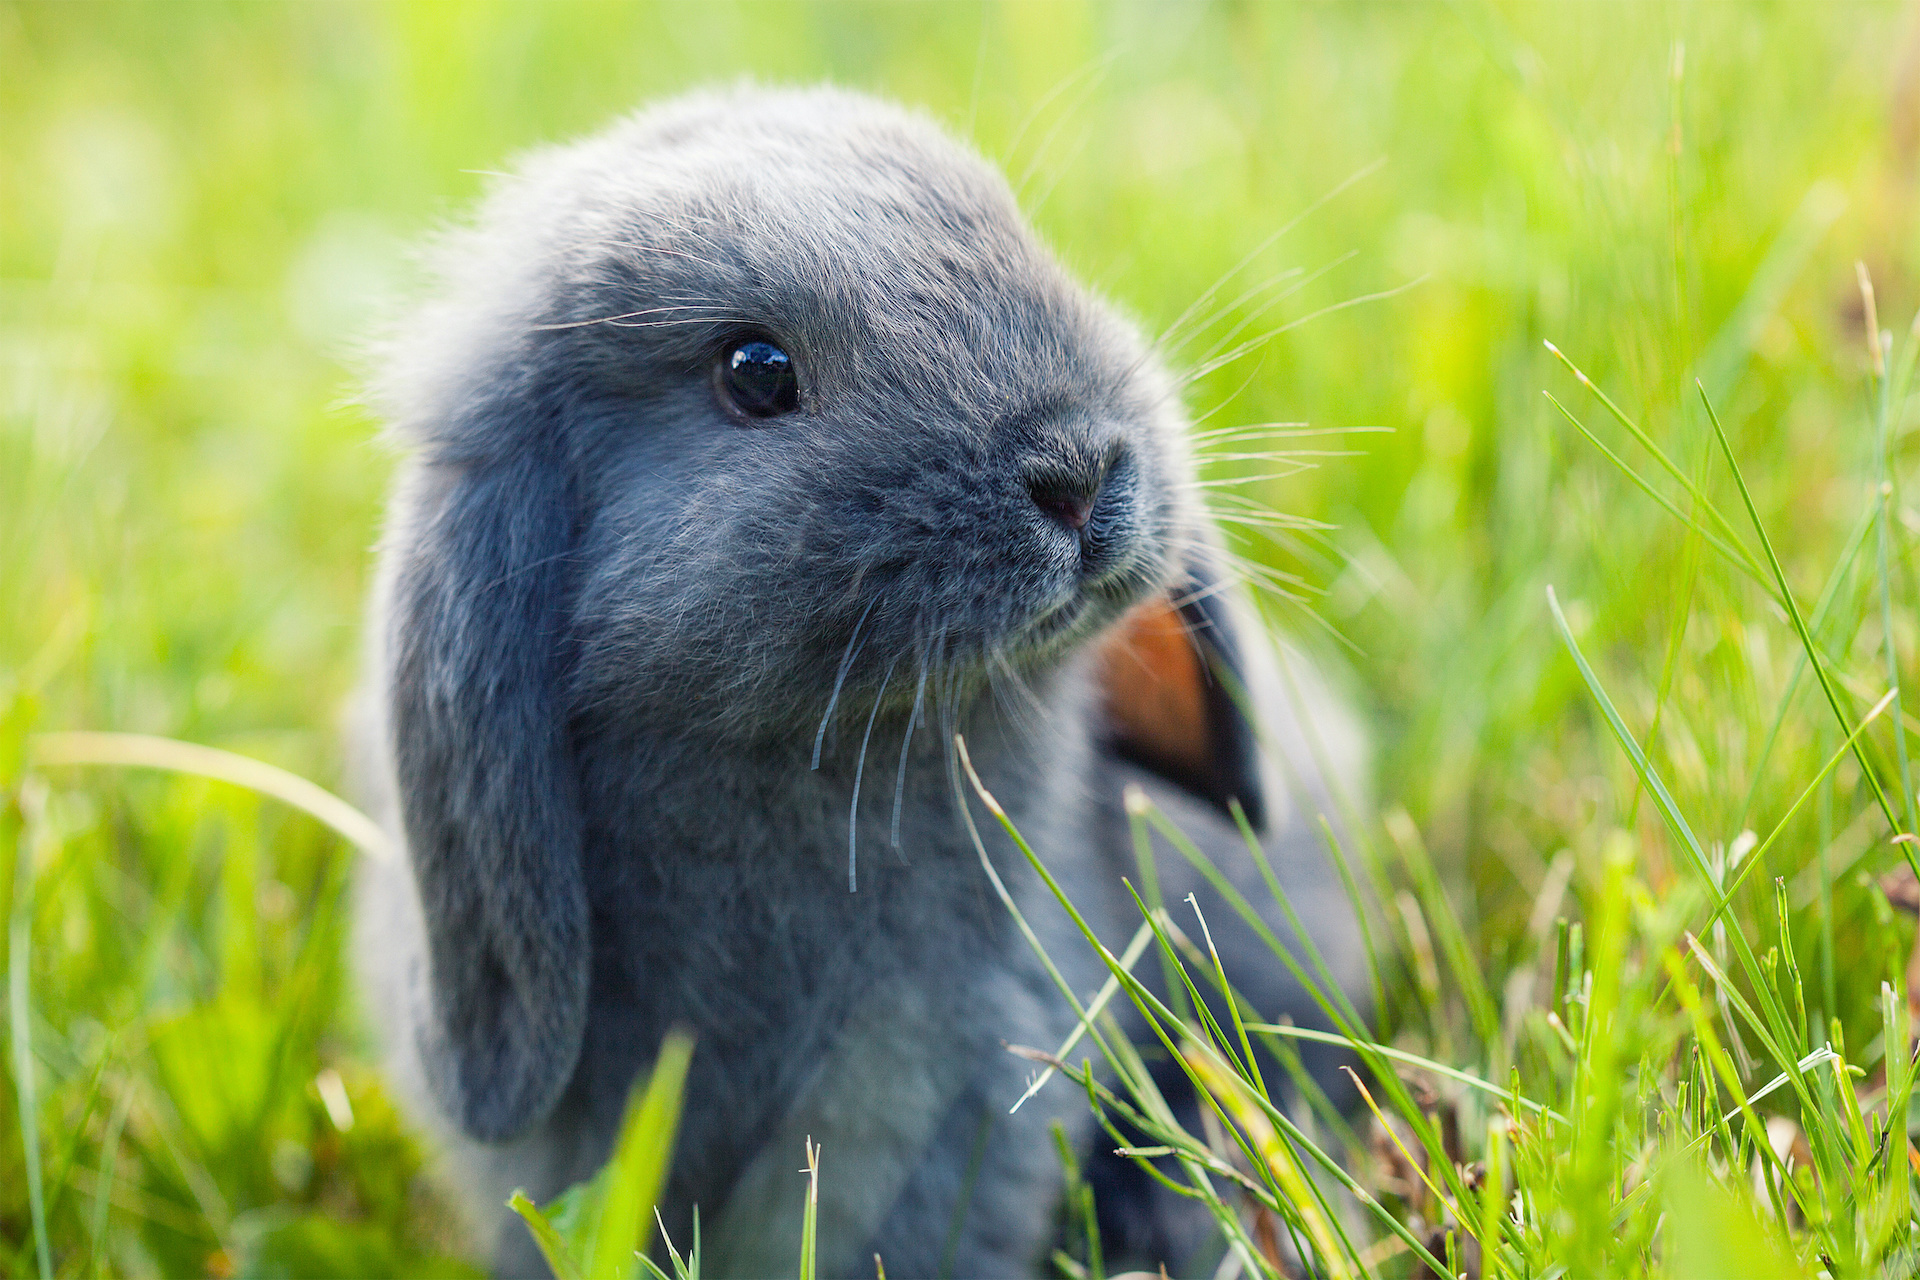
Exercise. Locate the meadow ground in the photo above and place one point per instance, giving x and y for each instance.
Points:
(202, 205)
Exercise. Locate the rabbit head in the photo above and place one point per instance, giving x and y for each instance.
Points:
(727, 413)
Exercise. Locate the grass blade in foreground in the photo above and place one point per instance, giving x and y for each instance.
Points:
(144, 751)
(599, 1228)
(547, 1236)
(809, 1224)
(1159, 1019)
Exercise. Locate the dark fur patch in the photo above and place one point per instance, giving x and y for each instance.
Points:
(1176, 698)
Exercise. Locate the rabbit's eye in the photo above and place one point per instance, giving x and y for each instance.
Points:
(757, 379)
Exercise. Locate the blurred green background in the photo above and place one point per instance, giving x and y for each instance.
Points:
(203, 206)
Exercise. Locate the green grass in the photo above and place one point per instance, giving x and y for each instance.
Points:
(201, 206)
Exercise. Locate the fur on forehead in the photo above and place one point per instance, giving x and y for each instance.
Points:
(826, 211)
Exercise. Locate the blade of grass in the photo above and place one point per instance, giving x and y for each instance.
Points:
(1203, 1024)
(1233, 1006)
(1299, 1200)
(1309, 1089)
(1366, 1096)
(1734, 553)
(1338, 857)
(1659, 455)
(1078, 1207)
(552, 1247)
(1281, 898)
(1758, 856)
(1354, 823)
(1118, 1053)
(1722, 1066)
(1493, 1200)
(1883, 472)
(1597, 1091)
(1150, 883)
(1810, 1102)
(24, 805)
(1775, 1030)
(810, 1222)
(954, 763)
(1446, 924)
(1676, 633)
(1149, 1004)
(1799, 622)
(1136, 946)
(1325, 993)
(638, 1168)
(109, 1164)
(1408, 1059)
(139, 750)
(1856, 540)
(1337, 1256)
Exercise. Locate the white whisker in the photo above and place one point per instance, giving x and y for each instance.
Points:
(1247, 321)
(1248, 431)
(1280, 455)
(1225, 400)
(906, 741)
(1253, 344)
(1229, 482)
(668, 253)
(625, 316)
(846, 661)
(1027, 713)
(859, 771)
(1166, 335)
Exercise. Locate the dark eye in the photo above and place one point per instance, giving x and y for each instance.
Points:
(757, 379)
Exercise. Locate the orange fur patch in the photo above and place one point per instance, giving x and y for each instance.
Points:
(1156, 689)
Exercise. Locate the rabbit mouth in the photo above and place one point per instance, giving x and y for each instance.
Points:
(1062, 626)
(1084, 607)
(1053, 623)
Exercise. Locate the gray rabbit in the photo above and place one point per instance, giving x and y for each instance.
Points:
(758, 449)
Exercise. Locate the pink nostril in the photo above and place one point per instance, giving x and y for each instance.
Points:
(1064, 504)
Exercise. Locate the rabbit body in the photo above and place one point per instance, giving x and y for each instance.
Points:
(656, 684)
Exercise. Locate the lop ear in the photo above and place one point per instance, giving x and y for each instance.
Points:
(488, 793)
(1176, 696)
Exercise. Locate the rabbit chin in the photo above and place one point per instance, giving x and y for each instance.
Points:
(1058, 631)
(972, 657)
(1080, 606)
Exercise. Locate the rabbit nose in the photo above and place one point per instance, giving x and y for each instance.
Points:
(1068, 487)
(1089, 498)
(1068, 501)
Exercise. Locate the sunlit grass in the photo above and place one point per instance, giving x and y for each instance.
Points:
(1643, 996)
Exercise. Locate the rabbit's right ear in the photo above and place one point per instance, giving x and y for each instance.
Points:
(488, 793)
(1176, 696)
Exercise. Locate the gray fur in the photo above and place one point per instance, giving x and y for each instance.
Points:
(612, 621)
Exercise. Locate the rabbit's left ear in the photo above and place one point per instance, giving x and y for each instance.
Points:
(1177, 700)
(488, 794)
